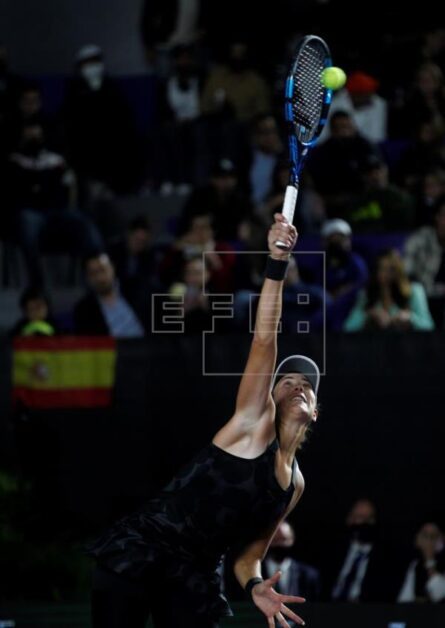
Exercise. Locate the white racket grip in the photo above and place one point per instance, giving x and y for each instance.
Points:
(290, 201)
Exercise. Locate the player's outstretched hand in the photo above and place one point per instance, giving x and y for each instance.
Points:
(272, 604)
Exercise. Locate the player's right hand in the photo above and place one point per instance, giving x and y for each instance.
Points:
(281, 231)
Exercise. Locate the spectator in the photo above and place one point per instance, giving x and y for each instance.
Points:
(303, 304)
(424, 258)
(192, 290)
(36, 317)
(266, 148)
(296, 578)
(368, 110)
(426, 152)
(134, 259)
(234, 94)
(432, 187)
(390, 300)
(100, 132)
(224, 198)
(236, 88)
(336, 165)
(104, 310)
(197, 237)
(383, 207)
(179, 138)
(29, 110)
(425, 577)
(42, 188)
(346, 272)
(427, 98)
(361, 571)
(167, 24)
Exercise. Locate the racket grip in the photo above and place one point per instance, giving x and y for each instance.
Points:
(290, 201)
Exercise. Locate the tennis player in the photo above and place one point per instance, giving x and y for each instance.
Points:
(162, 560)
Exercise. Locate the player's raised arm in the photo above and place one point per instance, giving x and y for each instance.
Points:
(254, 390)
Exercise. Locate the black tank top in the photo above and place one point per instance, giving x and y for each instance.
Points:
(215, 502)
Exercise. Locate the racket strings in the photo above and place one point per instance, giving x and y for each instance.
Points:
(308, 96)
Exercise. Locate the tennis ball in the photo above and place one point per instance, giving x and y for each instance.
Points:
(333, 78)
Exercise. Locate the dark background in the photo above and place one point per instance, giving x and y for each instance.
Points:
(380, 432)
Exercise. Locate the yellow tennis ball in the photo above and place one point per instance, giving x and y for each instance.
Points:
(333, 78)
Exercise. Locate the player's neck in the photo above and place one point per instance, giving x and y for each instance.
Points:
(291, 437)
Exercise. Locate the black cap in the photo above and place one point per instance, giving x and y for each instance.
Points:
(299, 364)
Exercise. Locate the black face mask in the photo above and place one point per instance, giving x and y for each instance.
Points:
(279, 553)
(32, 147)
(238, 65)
(337, 252)
(363, 532)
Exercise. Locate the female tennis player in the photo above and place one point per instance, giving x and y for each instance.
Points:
(161, 561)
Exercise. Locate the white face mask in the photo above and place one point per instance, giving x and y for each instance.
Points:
(93, 73)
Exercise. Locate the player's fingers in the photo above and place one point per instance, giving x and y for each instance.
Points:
(282, 621)
(286, 611)
(271, 622)
(273, 579)
(292, 599)
(280, 217)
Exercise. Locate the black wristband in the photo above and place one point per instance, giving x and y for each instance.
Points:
(276, 268)
(250, 584)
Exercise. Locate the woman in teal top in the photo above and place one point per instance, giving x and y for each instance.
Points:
(390, 300)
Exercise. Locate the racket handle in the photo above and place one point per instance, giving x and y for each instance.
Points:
(290, 201)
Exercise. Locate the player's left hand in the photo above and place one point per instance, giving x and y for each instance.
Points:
(272, 604)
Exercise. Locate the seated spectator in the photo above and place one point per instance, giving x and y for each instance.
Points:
(383, 206)
(425, 577)
(361, 101)
(191, 289)
(266, 148)
(177, 156)
(432, 187)
(134, 259)
(36, 317)
(41, 190)
(346, 272)
(296, 578)
(426, 100)
(335, 166)
(101, 137)
(29, 110)
(104, 310)
(234, 94)
(223, 198)
(390, 301)
(424, 258)
(360, 568)
(197, 237)
(424, 153)
(302, 304)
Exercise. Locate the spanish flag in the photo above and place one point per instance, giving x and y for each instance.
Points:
(63, 371)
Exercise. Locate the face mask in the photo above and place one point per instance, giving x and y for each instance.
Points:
(93, 73)
(363, 532)
(278, 554)
(238, 65)
(336, 251)
(32, 147)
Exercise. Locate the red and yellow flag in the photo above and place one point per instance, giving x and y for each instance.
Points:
(64, 371)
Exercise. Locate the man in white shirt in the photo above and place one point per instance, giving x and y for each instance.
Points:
(425, 577)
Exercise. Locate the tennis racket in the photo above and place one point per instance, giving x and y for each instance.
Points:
(306, 109)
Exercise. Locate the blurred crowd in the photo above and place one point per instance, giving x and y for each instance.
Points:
(362, 566)
(372, 196)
